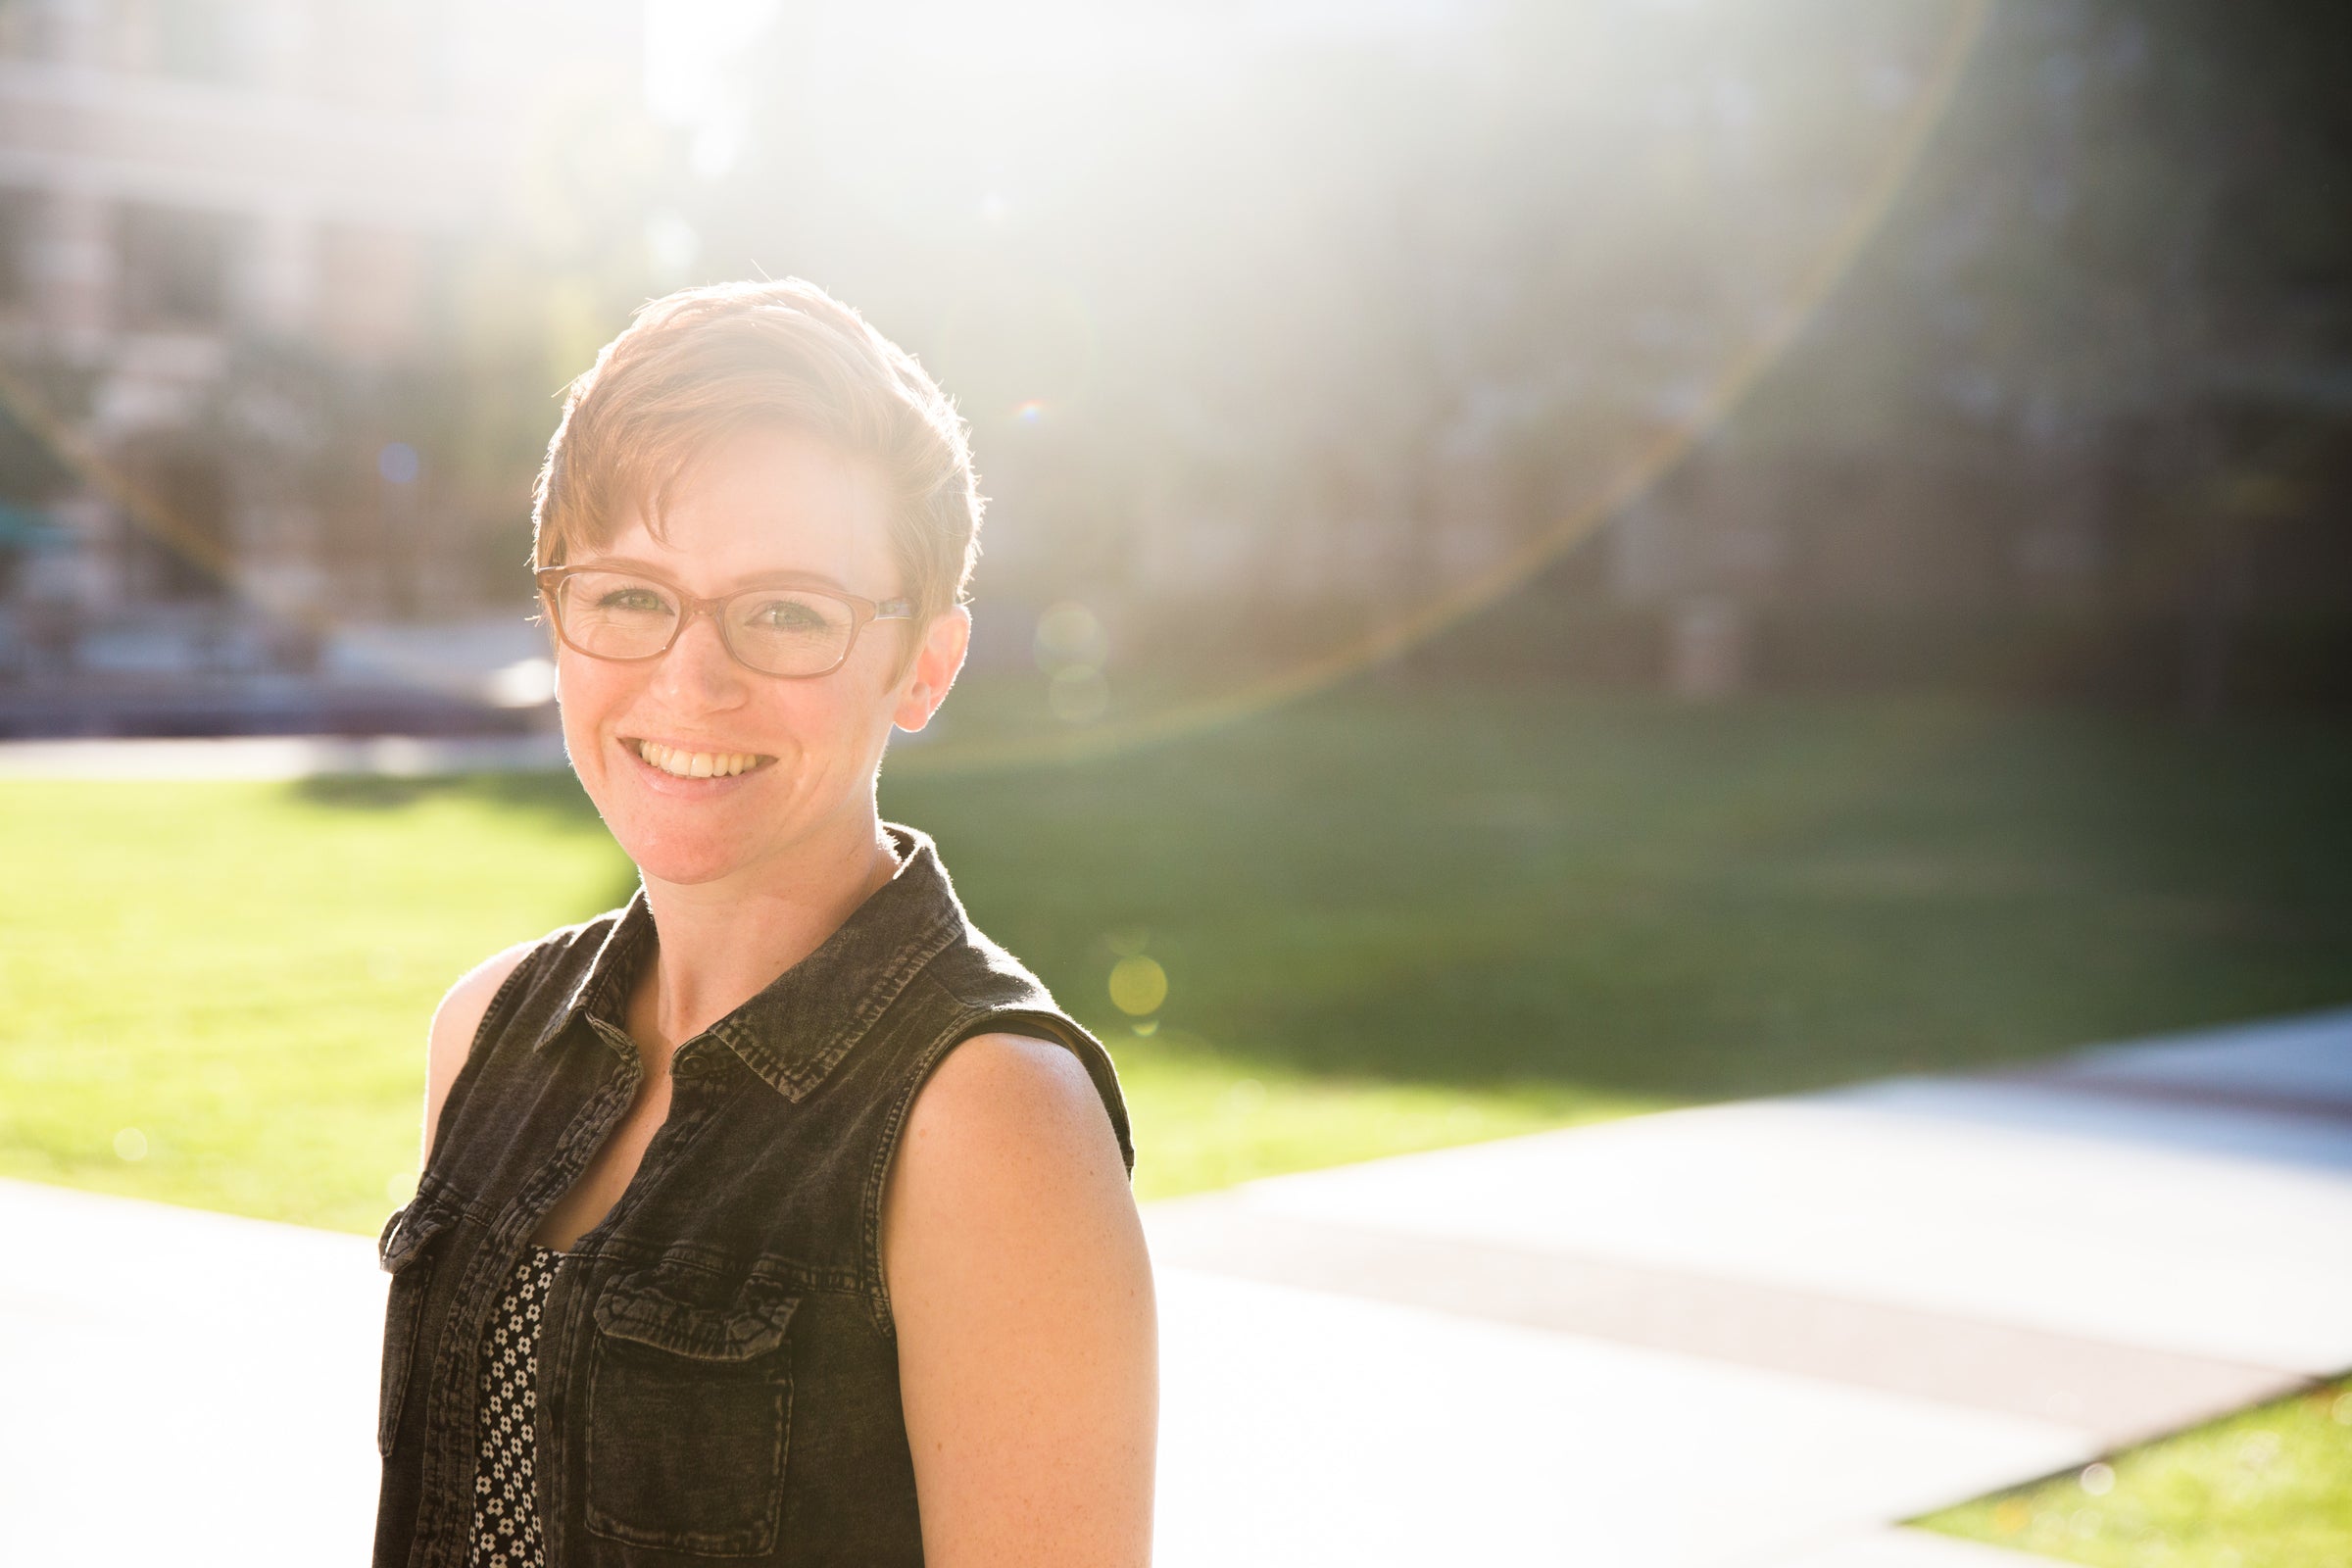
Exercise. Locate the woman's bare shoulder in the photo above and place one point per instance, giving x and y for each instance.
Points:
(455, 1024)
(1002, 1115)
(1021, 1292)
(1009, 1083)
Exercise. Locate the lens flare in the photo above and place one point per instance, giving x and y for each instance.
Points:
(1637, 476)
(1137, 986)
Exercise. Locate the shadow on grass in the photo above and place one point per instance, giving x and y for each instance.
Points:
(556, 794)
(551, 798)
(1480, 888)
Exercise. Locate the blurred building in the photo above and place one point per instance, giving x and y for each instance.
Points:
(217, 217)
(2077, 422)
(1623, 321)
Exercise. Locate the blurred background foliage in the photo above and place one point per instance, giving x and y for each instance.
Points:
(1279, 323)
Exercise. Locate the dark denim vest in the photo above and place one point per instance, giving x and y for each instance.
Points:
(718, 1367)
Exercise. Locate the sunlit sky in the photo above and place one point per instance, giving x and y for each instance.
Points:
(689, 42)
(687, 45)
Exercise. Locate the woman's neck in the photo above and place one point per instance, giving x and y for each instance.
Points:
(717, 945)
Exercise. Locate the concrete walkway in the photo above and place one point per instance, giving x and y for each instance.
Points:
(281, 756)
(1748, 1336)
(1757, 1334)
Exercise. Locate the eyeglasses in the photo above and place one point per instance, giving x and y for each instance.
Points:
(626, 615)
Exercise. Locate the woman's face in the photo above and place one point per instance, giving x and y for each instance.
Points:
(767, 503)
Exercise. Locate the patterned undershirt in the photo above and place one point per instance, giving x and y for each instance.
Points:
(506, 1505)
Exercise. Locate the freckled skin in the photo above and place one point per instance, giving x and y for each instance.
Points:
(766, 504)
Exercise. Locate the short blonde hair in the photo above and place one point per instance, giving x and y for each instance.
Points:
(696, 367)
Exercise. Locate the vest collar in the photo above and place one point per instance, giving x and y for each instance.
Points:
(798, 1028)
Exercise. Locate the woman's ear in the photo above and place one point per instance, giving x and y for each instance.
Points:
(937, 662)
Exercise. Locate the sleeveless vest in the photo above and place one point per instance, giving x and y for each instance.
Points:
(717, 1365)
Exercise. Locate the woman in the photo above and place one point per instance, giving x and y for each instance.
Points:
(778, 1216)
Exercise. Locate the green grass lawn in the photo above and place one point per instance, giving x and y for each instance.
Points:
(1389, 918)
(2263, 1489)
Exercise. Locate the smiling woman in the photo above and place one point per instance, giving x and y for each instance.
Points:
(779, 1215)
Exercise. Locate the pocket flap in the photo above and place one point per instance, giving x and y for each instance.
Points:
(695, 1317)
(406, 1233)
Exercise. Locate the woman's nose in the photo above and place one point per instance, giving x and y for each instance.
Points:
(698, 670)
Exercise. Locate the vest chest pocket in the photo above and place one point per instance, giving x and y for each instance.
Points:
(402, 1253)
(689, 1412)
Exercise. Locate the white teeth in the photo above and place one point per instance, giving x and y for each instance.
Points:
(697, 764)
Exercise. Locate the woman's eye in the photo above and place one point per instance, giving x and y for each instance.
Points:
(640, 601)
(786, 615)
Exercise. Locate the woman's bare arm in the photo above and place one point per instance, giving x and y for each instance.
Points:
(1028, 1346)
(454, 1023)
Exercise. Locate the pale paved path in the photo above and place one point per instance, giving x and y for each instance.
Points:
(280, 757)
(1747, 1336)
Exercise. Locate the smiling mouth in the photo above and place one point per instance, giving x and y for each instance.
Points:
(679, 762)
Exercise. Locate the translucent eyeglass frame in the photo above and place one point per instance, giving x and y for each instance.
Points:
(863, 611)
